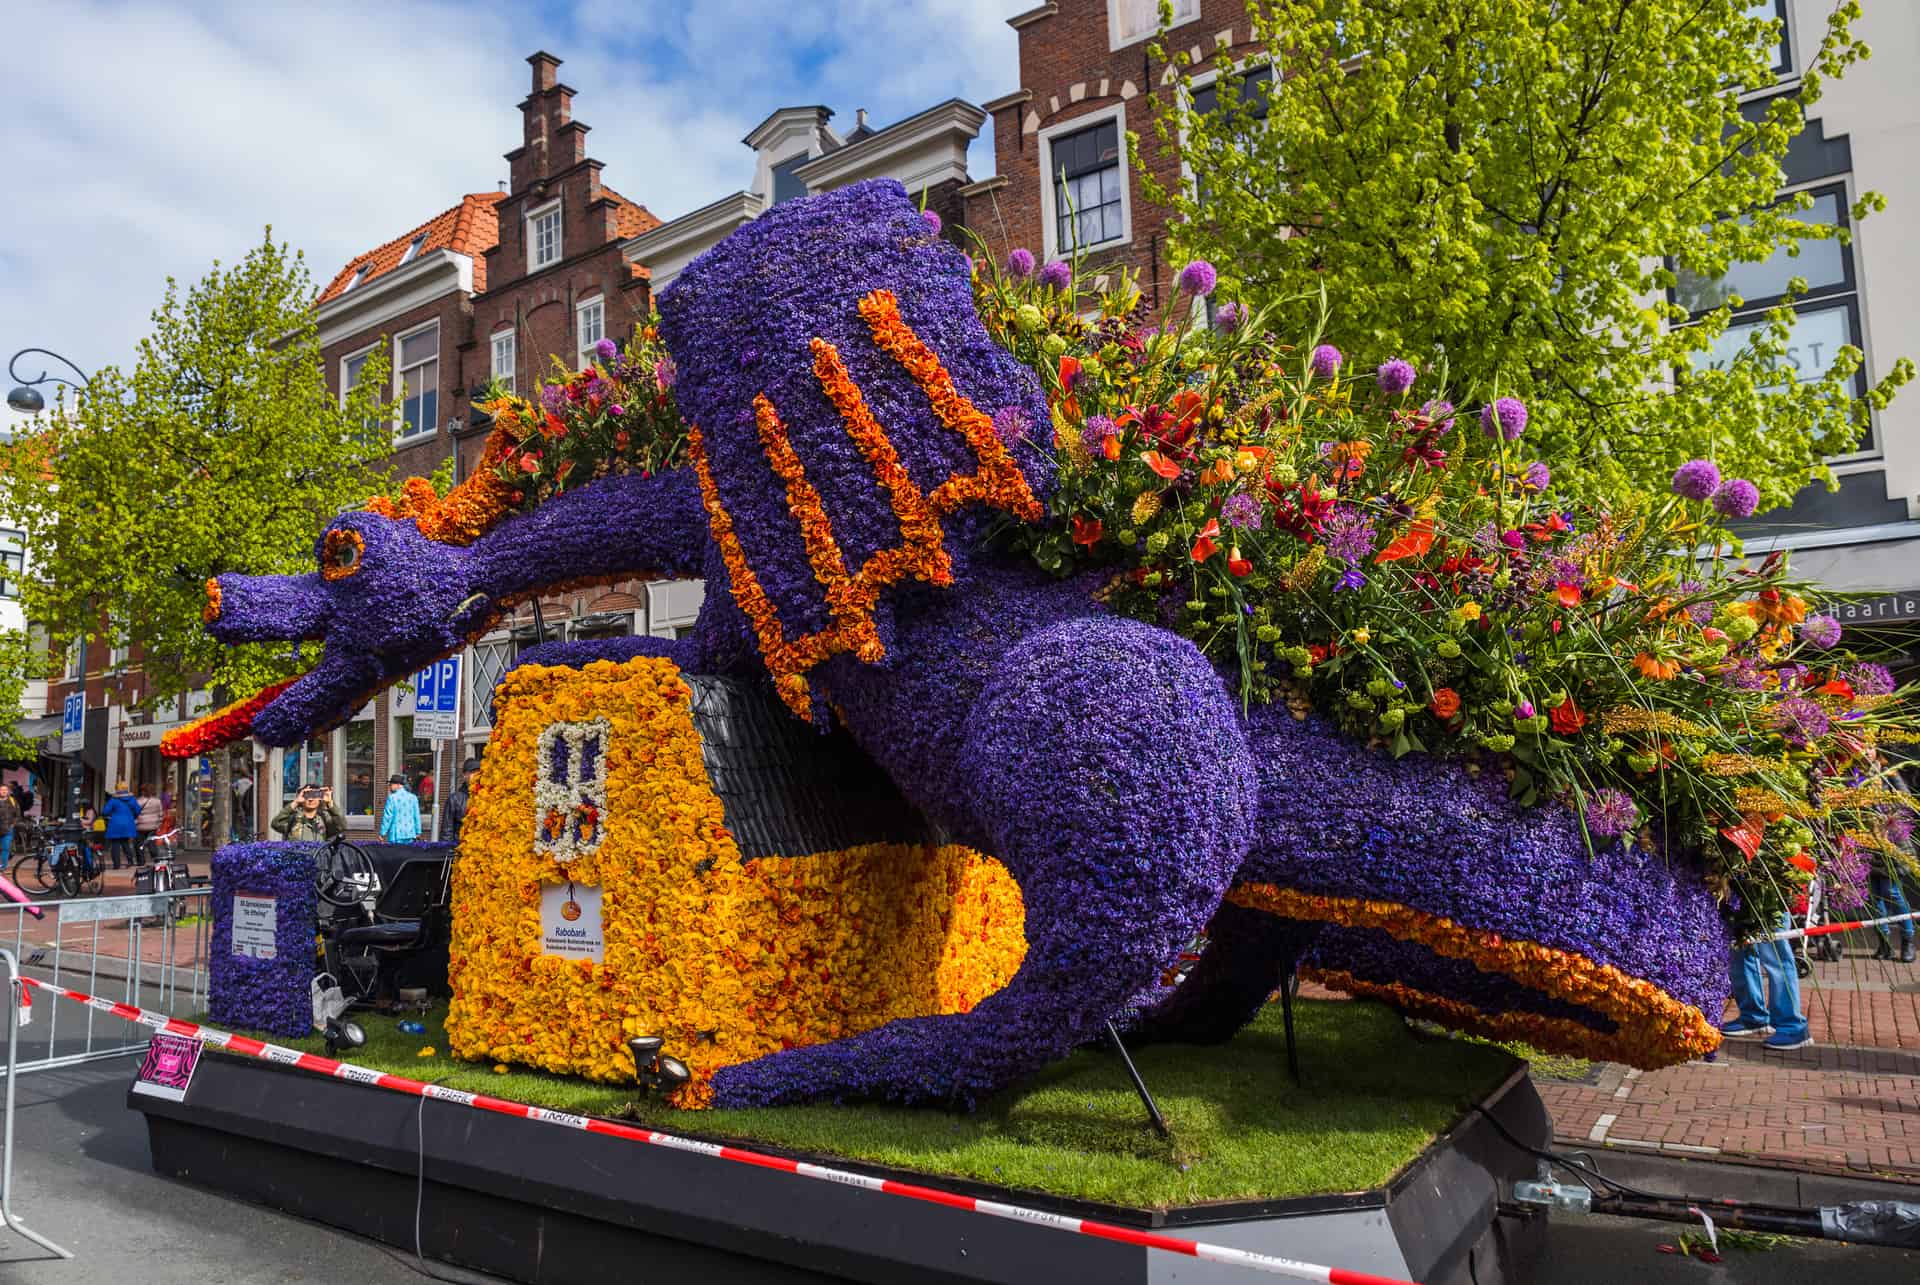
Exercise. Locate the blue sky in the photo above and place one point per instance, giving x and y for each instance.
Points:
(158, 135)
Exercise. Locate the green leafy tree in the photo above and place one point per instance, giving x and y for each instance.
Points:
(23, 658)
(1507, 190)
(221, 450)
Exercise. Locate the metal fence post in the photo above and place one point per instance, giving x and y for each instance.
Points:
(15, 996)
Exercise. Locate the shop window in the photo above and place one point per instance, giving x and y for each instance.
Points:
(413, 758)
(358, 795)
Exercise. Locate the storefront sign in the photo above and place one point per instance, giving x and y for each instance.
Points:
(136, 736)
(253, 925)
(1888, 606)
(570, 921)
(168, 1069)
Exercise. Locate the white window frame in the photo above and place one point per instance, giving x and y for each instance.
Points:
(359, 275)
(400, 434)
(534, 217)
(13, 562)
(1113, 22)
(121, 654)
(361, 356)
(496, 342)
(597, 306)
(413, 248)
(1049, 209)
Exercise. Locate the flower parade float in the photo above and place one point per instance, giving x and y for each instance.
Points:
(1133, 632)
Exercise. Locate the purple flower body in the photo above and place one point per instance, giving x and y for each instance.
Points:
(1800, 720)
(1538, 476)
(606, 350)
(1351, 578)
(1011, 424)
(1822, 631)
(1395, 377)
(246, 991)
(1696, 479)
(1872, 680)
(1228, 316)
(1020, 262)
(1057, 275)
(932, 219)
(1441, 413)
(1241, 511)
(1737, 498)
(1506, 418)
(1326, 361)
(1197, 278)
(1348, 533)
(1095, 432)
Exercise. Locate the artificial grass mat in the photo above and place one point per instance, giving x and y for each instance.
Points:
(1373, 1095)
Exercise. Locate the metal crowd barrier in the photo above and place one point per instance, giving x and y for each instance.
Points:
(15, 1016)
(147, 949)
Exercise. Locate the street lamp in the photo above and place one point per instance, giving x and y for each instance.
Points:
(25, 397)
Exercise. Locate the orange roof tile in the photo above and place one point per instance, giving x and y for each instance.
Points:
(633, 218)
(470, 228)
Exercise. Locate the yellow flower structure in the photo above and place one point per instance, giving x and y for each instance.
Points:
(727, 960)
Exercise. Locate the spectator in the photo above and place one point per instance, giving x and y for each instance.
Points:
(311, 817)
(122, 816)
(242, 791)
(454, 814)
(1766, 986)
(148, 823)
(9, 817)
(400, 820)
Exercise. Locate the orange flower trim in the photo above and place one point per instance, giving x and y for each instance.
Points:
(851, 597)
(1653, 1028)
(465, 513)
(226, 724)
(211, 612)
(335, 562)
(728, 960)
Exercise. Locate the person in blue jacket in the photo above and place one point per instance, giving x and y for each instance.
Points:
(122, 814)
(400, 821)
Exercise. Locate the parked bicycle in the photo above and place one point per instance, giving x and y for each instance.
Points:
(31, 870)
(75, 858)
(163, 868)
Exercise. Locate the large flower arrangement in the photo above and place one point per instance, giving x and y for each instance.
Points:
(725, 959)
(1354, 545)
(247, 991)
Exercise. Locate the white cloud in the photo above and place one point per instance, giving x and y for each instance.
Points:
(161, 136)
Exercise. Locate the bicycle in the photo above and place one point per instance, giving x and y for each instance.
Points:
(76, 861)
(162, 869)
(31, 870)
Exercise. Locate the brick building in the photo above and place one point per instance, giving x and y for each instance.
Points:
(1060, 139)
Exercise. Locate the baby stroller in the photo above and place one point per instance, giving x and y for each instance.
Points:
(1824, 949)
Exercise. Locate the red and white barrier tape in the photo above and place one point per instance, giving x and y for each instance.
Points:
(1793, 934)
(653, 1137)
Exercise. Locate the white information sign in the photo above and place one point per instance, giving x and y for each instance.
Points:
(570, 921)
(253, 924)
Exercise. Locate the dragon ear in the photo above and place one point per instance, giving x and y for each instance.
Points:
(465, 513)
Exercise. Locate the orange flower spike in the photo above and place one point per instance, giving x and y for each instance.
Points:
(1204, 547)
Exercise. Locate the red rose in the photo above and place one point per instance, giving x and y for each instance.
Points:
(1445, 704)
(1567, 718)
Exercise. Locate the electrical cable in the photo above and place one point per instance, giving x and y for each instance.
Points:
(419, 1204)
(1561, 1159)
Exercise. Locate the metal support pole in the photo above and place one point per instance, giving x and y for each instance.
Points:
(1288, 985)
(1139, 1085)
(16, 995)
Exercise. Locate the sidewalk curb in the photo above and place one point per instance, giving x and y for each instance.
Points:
(1731, 1180)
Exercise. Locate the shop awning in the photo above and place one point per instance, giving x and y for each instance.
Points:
(32, 729)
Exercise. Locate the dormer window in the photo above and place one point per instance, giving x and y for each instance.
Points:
(543, 236)
(787, 184)
(359, 275)
(413, 248)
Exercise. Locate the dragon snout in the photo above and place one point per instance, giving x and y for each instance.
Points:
(266, 608)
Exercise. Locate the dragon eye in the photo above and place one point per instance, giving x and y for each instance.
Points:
(342, 554)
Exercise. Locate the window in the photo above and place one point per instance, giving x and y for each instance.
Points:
(1827, 313)
(1089, 187)
(1783, 55)
(73, 660)
(356, 758)
(1130, 21)
(503, 361)
(304, 765)
(590, 323)
(359, 275)
(351, 370)
(486, 663)
(417, 359)
(1251, 105)
(122, 653)
(786, 184)
(413, 248)
(543, 237)
(13, 562)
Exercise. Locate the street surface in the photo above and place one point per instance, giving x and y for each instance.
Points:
(83, 1178)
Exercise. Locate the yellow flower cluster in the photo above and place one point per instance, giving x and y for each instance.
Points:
(1652, 1028)
(1750, 800)
(726, 960)
(1868, 796)
(1723, 764)
(1633, 718)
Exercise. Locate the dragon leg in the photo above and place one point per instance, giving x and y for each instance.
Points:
(1102, 764)
(1249, 953)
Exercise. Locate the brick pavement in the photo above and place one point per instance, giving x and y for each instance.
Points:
(1848, 1104)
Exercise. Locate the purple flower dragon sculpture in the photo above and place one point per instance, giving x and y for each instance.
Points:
(842, 396)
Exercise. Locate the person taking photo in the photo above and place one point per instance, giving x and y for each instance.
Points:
(311, 817)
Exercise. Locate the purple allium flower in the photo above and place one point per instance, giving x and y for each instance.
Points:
(1567, 571)
(1348, 534)
(1441, 413)
(1507, 417)
(1800, 720)
(1228, 316)
(606, 350)
(1198, 278)
(1611, 813)
(553, 398)
(1747, 676)
(1350, 579)
(1057, 275)
(1700, 613)
(1696, 479)
(1096, 431)
(1394, 377)
(1737, 498)
(1020, 262)
(1241, 511)
(1900, 828)
(933, 221)
(1513, 540)
(664, 373)
(1538, 476)
(1871, 680)
(1011, 424)
(1822, 631)
(1326, 361)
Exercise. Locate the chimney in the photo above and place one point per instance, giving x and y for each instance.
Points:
(546, 144)
(545, 71)
(860, 118)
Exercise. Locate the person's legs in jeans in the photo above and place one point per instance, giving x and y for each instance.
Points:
(1885, 897)
(1748, 989)
(115, 847)
(6, 850)
(1783, 991)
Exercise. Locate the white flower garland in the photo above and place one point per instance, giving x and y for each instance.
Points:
(563, 806)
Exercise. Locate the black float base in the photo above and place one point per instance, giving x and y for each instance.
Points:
(537, 1203)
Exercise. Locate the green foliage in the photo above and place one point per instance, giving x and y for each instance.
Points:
(1509, 185)
(22, 659)
(222, 450)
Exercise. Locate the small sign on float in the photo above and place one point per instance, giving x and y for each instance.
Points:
(570, 921)
(254, 921)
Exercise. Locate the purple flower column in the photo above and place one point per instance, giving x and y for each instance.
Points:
(247, 991)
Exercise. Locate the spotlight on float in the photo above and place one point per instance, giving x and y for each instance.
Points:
(343, 1034)
(654, 1070)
